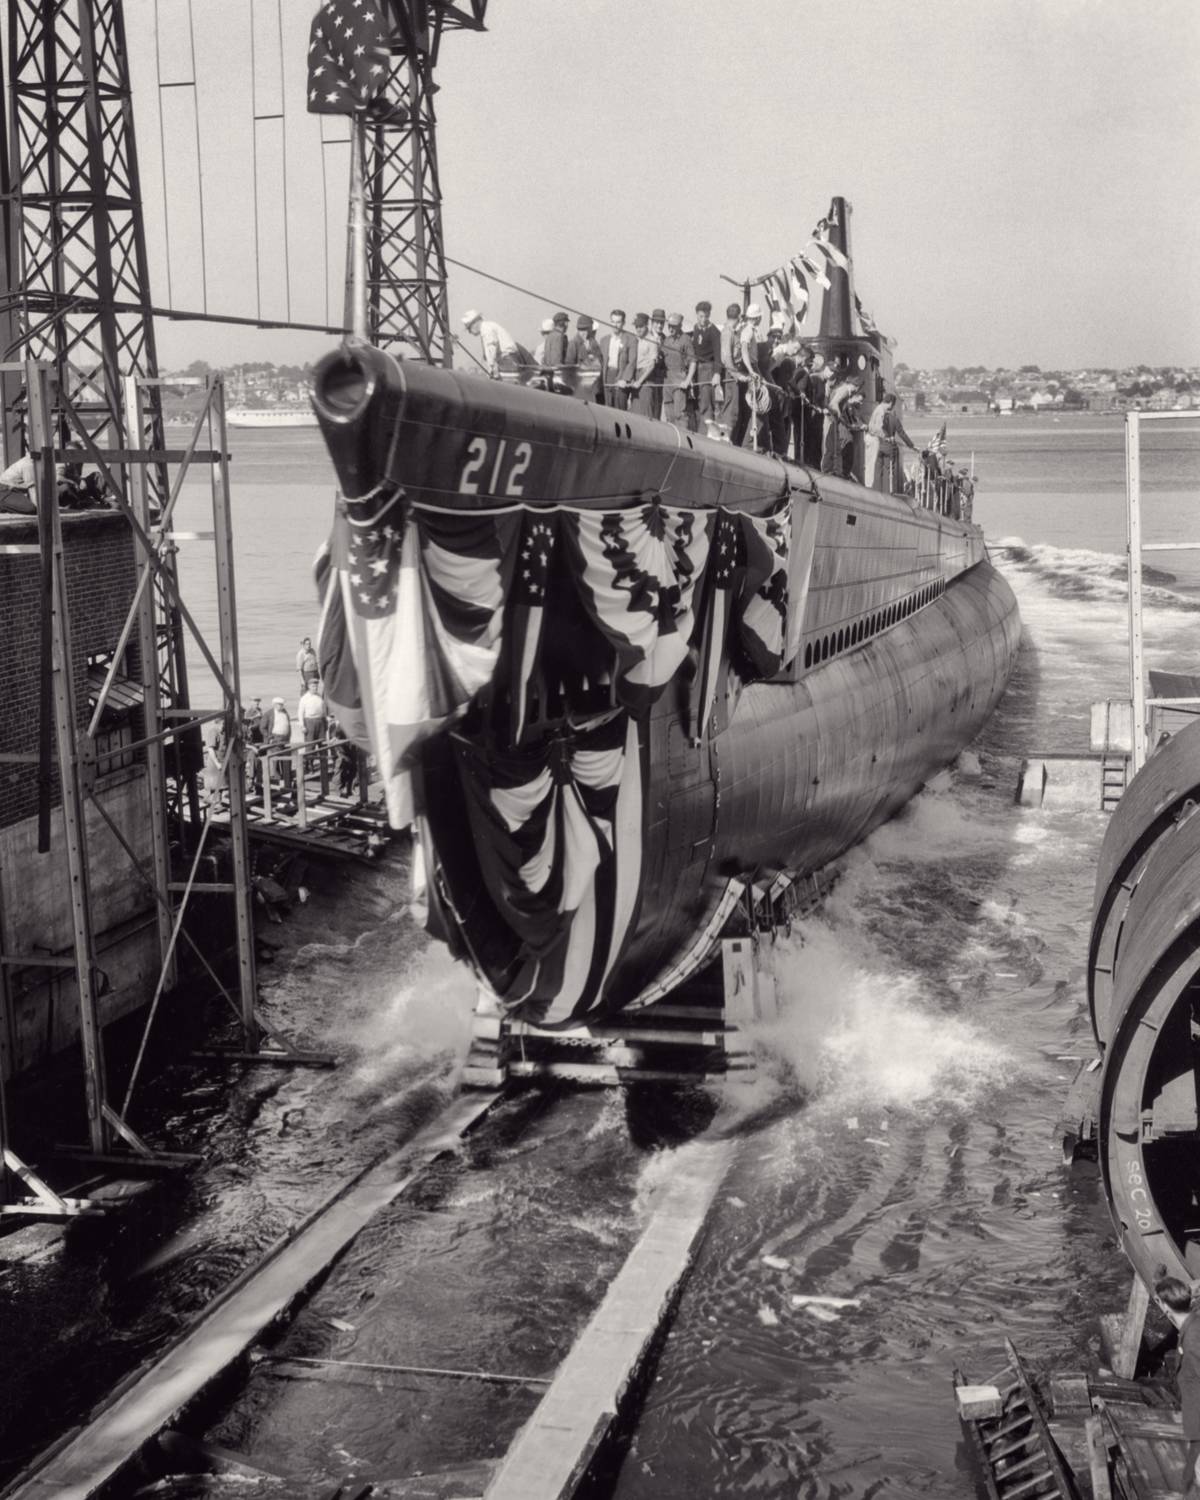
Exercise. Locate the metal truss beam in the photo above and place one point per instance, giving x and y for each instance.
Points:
(76, 234)
(406, 271)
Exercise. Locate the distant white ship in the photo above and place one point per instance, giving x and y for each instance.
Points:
(270, 416)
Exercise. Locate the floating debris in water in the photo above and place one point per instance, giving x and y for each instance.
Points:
(802, 1299)
(776, 1262)
(767, 1318)
(341, 1325)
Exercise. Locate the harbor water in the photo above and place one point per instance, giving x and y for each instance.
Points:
(897, 1204)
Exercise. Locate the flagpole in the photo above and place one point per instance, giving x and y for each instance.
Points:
(972, 463)
(356, 246)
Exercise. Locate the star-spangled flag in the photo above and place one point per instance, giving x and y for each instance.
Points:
(526, 611)
(938, 441)
(349, 61)
(727, 555)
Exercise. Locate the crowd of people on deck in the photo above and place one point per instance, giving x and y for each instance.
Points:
(269, 735)
(745, 381)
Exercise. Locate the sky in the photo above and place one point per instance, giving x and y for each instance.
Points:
(1022, 172)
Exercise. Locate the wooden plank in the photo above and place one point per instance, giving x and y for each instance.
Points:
(1125, 1356)
(552, 1451)
(84, 1462)
(1097, 1459)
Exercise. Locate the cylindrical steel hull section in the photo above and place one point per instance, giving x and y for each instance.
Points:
(1145, 814)
(807, 769)
(1148, 1105)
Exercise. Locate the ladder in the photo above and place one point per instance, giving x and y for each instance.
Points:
(1014, 1449)
(1113, 774)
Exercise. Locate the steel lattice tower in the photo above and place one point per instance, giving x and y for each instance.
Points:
(406, 274)
(75, 252)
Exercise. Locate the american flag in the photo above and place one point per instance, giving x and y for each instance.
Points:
(728, 554)
(938, 441)
(373, 567)
(527, 607)
(348, 58)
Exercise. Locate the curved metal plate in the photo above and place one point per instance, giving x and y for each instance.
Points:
(1145, 814)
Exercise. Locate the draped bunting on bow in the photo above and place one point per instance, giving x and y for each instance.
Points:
(761, 609)
(410, 626)
(558, 834)
(637, 572)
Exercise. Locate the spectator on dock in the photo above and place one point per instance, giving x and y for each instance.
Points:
(279, 738)
(313, 713)
(1175, 1299)
(215, 783)
(18, 487)
(306, 662)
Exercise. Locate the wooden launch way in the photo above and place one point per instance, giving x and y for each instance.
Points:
(569, 1431)
(87, 1461)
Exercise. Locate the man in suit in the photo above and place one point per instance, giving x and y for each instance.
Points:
(584, 362)
(618, 351)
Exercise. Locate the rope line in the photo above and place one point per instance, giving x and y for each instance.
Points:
(287, 234)
(254, 162)
(162, 150)
(199, 161)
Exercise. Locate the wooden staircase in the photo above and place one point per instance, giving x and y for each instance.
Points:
(1005, 1428)
(1114, 774)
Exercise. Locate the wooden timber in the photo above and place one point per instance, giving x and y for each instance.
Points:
(86, 1461)
(552, 1454)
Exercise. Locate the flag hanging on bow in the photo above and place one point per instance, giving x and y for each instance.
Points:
(526, 612)
(727, 556)
(349, 60)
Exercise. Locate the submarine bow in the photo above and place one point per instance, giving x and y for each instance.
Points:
(607, 668)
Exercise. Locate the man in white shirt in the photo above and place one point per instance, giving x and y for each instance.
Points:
(18, 487)
(312, 714)
(501, 352)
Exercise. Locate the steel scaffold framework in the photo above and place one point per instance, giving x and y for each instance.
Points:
(406, 258)
(111, 1141)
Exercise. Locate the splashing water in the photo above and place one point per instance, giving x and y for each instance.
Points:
(851, 1031)
(425, 1020)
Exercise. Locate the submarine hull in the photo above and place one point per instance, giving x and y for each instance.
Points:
(612, 670)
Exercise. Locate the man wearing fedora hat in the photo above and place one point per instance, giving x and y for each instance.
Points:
(646, 391)
(584, 361)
